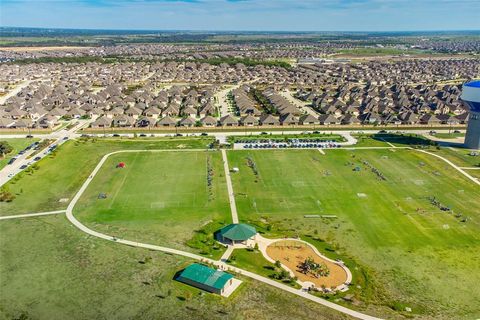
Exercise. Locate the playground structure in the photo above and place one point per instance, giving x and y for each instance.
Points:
(291, 253)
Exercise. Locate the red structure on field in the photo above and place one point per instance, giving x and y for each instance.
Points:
(121, 165)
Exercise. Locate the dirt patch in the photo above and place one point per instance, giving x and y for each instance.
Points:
(292, 253)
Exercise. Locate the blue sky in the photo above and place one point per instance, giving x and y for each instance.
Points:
(257, 15)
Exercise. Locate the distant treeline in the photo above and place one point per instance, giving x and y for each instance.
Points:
(11, 36)
(115, 59)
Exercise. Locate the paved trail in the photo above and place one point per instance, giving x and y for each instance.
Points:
(28, 215)
(231, 195)
(220, 264)
(474, 180)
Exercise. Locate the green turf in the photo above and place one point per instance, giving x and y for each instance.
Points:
(417, 257)
(252, 260)
(366, 140)
(449, 135)
(159, 197)
(17, 144)
(474, 173)
(461, 157)
(62, 173)
(54, 271)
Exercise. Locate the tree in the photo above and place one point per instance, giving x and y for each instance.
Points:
(278, 264)
(5, 148)
(6, 195)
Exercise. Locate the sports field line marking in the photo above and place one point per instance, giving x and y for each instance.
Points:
(470, 168)
(123, 181)
(28, 215)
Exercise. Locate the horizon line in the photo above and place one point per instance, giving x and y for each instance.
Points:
(257, 31)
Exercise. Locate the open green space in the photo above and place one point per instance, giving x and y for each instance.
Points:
(370, 51)
(60, 175)
(159, 197)
(387, 226)
(388, 219)
(451, 135)
(474, 173)
(367, 140)
(17, 145)
(54, 271)
(459, 156)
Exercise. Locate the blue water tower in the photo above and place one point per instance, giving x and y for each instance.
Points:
(471, 97)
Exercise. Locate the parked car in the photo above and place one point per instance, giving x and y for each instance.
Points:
(23, 166)
(36, 158)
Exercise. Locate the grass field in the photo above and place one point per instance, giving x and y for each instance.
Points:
(17, 145)
(449, 135)
(461, 157)
(401, 248)
(62, 173)
(389, 226)
(54, 271)
(159, 197)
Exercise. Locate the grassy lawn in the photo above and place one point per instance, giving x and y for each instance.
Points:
(449, 135)
(54, 271)
(416, 254)
(17, 144)
(159, 197)
(461, 157)
(378, 52)
(62, 173)
(367, 140)
(474, 173)
(252, 261)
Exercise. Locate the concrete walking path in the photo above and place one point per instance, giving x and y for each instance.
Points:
(219, 264)
(28, 215)
(227, 253)
(473, 179)
(231, 195)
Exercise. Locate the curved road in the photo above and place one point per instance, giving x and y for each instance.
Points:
(220, 264)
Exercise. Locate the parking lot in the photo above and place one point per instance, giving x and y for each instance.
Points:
(307, 143)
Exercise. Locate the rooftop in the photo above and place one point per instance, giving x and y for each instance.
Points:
(238, 231)
(205, 275)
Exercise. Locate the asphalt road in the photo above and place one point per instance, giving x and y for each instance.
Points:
(26, 159)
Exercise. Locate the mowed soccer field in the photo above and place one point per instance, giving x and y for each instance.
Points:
(415, 254)
(420, 256)
(159, 197)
